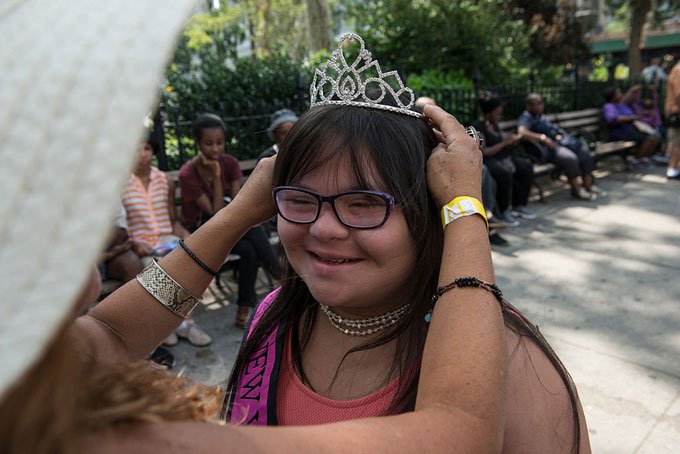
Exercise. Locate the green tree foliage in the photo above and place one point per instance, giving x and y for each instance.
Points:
(207, 76)
(555, 35)
(276, 26)
(493, 42)
(633, 16)
(213, 35)
(414, 35)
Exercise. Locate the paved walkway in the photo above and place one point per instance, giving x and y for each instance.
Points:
(602, 280)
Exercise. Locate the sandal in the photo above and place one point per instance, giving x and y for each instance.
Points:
(242, 317)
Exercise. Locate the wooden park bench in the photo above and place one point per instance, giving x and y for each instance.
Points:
(587, 124)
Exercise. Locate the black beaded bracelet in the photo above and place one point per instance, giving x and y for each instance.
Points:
(463, 282)
(197, 260)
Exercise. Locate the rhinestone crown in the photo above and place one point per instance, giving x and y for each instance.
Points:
(347, 85)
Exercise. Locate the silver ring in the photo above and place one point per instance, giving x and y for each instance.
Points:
(475, 135)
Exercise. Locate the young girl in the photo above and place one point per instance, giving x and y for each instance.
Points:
(363, 240)
(205, 180)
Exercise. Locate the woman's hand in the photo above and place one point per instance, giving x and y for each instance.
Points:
(212, 165)
(254, 199)
(455, 166)
(142, 249)
(511, 139)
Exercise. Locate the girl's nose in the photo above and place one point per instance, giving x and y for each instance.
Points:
(327, 226)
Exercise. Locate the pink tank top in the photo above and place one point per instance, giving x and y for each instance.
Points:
(298, 405)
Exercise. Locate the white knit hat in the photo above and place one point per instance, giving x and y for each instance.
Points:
(77, 78)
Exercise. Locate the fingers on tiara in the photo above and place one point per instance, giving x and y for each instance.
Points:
(363, 83)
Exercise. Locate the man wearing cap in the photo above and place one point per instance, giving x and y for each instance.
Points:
(282, 122)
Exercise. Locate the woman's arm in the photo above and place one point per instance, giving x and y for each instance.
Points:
(130, 322)
(632, 96)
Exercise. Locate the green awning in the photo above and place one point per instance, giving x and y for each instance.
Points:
(657, 41)
(609, 45)
(651, 42)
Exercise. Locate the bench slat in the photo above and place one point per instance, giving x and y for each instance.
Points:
(579, 113)
(577, 122)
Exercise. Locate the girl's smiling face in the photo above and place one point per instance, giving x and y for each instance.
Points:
(356, 272)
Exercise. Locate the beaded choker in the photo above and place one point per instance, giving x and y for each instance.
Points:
(366, 326)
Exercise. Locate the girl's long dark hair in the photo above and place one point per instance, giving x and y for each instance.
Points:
(397, 147)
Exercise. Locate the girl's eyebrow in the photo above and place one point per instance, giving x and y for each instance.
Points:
(345, 190)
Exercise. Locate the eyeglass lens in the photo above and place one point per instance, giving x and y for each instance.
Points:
(355, 209)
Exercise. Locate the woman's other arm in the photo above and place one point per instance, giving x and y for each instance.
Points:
(130, 322)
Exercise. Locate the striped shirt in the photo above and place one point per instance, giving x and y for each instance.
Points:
(148, 214)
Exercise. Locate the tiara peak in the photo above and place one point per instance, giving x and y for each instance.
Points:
(342, 84)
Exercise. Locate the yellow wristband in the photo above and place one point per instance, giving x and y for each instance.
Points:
(460, 207)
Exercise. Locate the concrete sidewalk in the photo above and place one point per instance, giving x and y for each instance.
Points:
(601, 279)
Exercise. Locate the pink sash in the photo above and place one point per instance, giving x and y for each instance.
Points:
(253, 395)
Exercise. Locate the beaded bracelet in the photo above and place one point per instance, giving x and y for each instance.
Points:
(166, 290)
(197, 260)
(468, 281)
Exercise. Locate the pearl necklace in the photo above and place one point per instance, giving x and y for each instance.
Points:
(366, 326)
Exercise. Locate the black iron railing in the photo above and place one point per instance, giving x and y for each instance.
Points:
(247, 122)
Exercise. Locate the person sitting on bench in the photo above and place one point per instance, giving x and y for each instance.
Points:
(149, 201)
(624, 124)
(567, 152)
(514, 174)
(204, 181)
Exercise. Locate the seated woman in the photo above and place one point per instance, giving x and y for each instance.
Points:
(513, 174)
(149, 201)
(621, 118)
(204, 181)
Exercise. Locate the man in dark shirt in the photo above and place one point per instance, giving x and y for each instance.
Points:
(567, 152)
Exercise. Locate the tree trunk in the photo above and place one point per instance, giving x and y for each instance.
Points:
(638, 18)
(319, 25)
(265, 8)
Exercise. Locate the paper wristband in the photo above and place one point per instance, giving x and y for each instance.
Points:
(460, 207)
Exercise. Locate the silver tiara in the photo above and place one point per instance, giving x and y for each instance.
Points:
(340, 83)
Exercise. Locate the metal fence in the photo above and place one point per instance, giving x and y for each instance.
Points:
(247, 123)
(557, 98)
